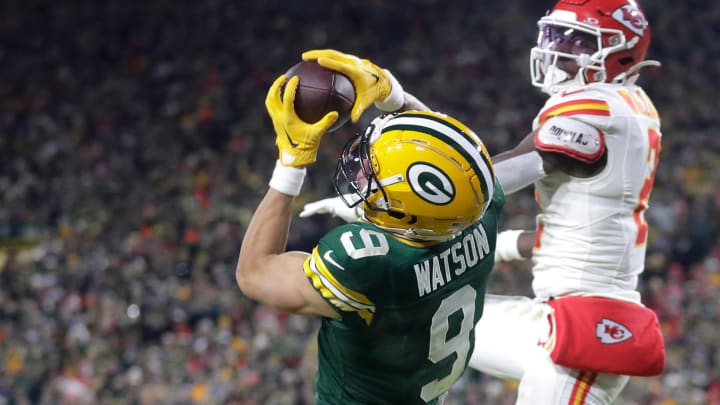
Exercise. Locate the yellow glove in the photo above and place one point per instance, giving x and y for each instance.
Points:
(372, 84)
(296, 140)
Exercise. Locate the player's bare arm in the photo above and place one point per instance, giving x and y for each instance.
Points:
(413, 103)
(265, 272)
(268, 274)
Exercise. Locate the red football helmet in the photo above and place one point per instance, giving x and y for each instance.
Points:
(589, 41)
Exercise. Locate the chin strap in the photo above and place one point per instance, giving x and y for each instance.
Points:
(629, 76)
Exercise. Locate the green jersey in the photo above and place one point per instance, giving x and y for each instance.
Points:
(408, 312)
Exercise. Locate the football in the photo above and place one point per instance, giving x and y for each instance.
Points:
(321, 90)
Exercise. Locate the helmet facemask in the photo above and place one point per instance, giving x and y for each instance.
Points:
(611, 41)
(355, 177)
(563, 47)
(561, 40)
(356, 180)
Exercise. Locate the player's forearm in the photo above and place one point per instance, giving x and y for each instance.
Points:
(514, 244)
(413, 103)
(520, 166)
(266, 235)
(526, 242)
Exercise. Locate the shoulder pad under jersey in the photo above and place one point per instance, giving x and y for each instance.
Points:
(568, 136)
(586, 104)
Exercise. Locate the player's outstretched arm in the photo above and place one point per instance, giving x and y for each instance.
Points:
(268, 274)
(520, 166)
(265, 272)
(542, 152)
(413, 103)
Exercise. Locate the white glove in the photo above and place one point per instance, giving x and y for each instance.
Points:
(334, 206)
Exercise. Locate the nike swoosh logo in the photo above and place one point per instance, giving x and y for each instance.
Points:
(293, 144)
(332, 261)
(373, 74)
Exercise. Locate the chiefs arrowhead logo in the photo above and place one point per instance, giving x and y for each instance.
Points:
(632, 18)
(610, 332)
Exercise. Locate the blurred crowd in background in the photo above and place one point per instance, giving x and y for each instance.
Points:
(134, 146)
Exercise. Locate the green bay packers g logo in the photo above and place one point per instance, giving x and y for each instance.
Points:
(430, 183)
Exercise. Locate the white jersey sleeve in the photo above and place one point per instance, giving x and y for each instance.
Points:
(592, 234)
(570, 137)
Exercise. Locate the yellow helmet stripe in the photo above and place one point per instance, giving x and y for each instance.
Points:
(455, 137)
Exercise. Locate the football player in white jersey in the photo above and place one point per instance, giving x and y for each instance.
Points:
(591, 156)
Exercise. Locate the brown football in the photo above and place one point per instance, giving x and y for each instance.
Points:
(321, 90)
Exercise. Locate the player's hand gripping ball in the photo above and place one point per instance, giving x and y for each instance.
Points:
(320, 91)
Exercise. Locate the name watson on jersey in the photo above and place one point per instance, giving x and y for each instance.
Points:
(452, 262)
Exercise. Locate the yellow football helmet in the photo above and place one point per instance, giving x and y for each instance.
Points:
(420, 175)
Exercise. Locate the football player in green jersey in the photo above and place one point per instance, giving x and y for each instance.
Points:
(400, 290)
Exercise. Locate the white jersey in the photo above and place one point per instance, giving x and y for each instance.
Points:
(592, 233)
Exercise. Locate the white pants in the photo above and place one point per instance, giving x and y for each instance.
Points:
(508, 345)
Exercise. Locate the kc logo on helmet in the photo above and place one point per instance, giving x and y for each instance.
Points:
(610, 332)
(632, 18)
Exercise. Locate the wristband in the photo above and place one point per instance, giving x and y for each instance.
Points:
(395, 99)
(287, 180)
(506, 247)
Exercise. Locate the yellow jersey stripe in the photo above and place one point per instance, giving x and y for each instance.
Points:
(576, 107)
(338, 295)
(581, 390)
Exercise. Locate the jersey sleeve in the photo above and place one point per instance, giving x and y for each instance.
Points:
(571, 137)
(498, 199)
(575, 123)
(586, 105)
(339, 278)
